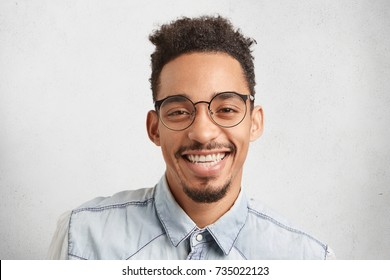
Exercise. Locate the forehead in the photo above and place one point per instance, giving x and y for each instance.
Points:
(201, 75)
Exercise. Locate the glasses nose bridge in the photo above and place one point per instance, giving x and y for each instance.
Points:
(200, 102)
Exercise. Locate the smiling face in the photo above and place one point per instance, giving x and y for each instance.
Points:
(204, 162)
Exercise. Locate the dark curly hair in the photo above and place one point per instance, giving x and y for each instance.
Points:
(202, 34)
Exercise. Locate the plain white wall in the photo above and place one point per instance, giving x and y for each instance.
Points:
(74, 93)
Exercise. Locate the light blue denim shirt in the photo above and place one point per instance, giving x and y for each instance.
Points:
(149, 224)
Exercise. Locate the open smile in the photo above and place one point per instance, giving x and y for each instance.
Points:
(206, 163)
(205, 160)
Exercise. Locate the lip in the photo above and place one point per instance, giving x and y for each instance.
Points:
(206, 169)
(206, 152)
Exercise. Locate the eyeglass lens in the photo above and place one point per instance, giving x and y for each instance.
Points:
(226, 109)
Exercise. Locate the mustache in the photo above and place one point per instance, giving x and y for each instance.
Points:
(196, 146)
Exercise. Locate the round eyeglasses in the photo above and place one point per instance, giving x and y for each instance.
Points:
(226, 109)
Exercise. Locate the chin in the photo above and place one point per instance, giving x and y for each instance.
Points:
(208, 193)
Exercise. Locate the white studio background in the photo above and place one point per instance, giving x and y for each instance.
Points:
(74, 94)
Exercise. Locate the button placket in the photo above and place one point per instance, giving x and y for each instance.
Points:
(198, 243)
(199, 237)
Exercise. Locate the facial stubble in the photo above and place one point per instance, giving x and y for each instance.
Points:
(208, 193)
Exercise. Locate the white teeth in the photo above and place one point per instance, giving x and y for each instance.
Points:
(208, 160)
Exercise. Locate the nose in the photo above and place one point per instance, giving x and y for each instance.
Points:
(203, 129)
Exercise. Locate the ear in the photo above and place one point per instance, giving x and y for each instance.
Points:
(152, 127)
(257, 123)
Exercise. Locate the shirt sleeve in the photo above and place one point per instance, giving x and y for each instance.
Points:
(58, 249)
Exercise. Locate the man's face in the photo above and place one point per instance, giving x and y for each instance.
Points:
(204, 162)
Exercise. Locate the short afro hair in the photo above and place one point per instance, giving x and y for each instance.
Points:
(202, 34)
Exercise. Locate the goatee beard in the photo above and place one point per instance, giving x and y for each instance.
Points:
(208, 194)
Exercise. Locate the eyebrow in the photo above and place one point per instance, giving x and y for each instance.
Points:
(178, 97)
(228, 94)
(212, 96)
(175, 98)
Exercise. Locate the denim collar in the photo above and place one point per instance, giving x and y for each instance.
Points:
(179, 226)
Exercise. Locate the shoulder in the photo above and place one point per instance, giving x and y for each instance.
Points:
(118, 200)
(262, 213)
(274, 237)
(113, 227)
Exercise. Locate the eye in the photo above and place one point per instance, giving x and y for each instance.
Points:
(226, 110)
(178, 113)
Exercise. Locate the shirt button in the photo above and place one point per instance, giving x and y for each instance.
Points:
(199, 237)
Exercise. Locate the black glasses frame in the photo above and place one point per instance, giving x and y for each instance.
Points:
(244, 97)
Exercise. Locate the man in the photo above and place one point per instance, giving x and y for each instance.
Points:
(204, 119)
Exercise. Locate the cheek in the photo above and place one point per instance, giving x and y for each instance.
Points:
(170, 142)
(166, 148)
(241, 134)
(241, 139)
